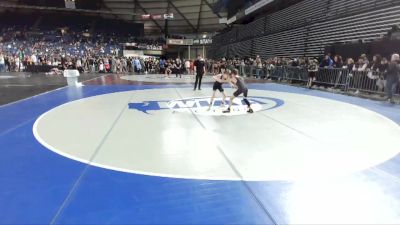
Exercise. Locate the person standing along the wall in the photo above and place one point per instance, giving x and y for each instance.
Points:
(392, 77)
(187, 67)
(178, 68)
(312, 72)
(2, 62)
(381, 82)
(162, 66)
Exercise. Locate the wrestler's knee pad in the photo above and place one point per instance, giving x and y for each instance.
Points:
(246, 101)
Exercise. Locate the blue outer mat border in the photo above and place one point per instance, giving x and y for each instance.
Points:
(35, 181)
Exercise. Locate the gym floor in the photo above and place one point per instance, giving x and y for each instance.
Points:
(145, 150)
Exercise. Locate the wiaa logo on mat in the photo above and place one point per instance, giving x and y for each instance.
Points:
(200, 105)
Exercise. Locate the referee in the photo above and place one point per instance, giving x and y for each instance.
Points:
(200, 67)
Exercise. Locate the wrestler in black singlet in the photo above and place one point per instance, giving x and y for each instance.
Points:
(218, 85)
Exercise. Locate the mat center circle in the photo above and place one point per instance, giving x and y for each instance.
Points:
(169, 132)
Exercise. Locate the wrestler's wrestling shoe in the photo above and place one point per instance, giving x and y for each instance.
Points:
(227, 111)
(250, 110)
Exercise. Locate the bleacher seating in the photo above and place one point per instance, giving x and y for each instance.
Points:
(253, 29)
(349, 7)
(365, 26)
(293, 17)
(239, 49)
(221, 52)
(284, 43)
(308, 26)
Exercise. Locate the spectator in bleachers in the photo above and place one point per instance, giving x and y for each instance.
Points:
(384, 65)
(374, 71)
(327, 62)
(358, 78)
(303, 62)
(337, 62)
(375, 65)
(295, 62)
(279, 62)
(361, 65)
(231, 66)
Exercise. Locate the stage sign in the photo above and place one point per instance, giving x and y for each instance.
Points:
(204, 41)
(180, 41)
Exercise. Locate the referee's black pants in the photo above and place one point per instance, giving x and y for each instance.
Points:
(199, 77)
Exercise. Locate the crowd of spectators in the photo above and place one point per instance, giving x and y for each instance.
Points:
(383, 72)
(87, 52)
(102, 52)
(62, 48)
(378, 62)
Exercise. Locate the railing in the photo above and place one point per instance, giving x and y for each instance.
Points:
(332, 77)
(251, 71)
(278, 73)
(348, 81)
(371, 82)
(297, 73)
